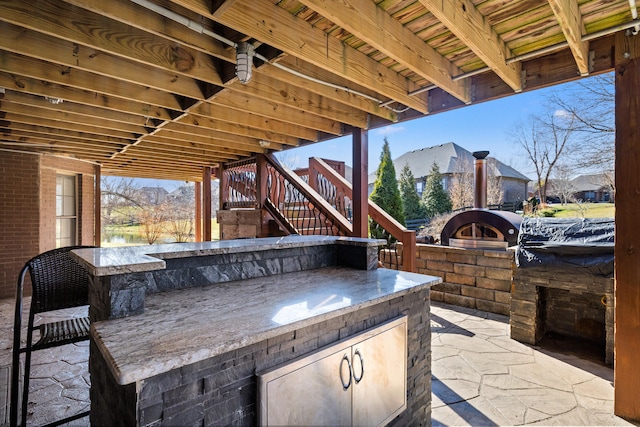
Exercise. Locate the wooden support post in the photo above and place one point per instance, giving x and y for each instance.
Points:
(627, 238)
(409, 251)
(198, 212)
(206, 204)
(261, 180)
(360, 185)
(97, 206)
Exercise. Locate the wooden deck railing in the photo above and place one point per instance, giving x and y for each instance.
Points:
(262, 182)
(317, 203)
(331, 185)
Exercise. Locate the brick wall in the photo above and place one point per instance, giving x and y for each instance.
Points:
(470, 277)
(222, 390)
(27, 215)
(19, 216)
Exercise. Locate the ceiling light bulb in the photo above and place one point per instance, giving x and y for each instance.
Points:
(244, 61)
(54, 101)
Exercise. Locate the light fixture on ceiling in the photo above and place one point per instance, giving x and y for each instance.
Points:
(244, 61)
(264, 143)
(54, 101)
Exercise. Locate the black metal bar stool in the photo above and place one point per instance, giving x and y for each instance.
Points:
(57, 282)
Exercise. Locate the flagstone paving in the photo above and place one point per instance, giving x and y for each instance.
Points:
(483, 378)
(480, 377)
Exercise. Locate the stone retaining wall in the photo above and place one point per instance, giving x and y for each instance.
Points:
(471, 278)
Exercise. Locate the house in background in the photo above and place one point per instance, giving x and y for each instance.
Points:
(593, 188)
(451, 159)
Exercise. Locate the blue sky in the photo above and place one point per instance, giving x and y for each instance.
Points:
(484, 126)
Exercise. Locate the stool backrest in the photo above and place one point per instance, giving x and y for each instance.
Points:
(57, 280)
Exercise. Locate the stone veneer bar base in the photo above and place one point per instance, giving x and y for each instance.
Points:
(222, 390)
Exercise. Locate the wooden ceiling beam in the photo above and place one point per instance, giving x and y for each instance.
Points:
(112, 37)
(104, 125)
(568, 14)
(275, 26)
(199, 143)
(179, 130)
(79, 57)
(41, 88)
(62, 75)
(136, 16)
(236, 129)
(345, 97)
(252, 120)
(39, 121)
(67, 135)
(272, 90)
(272, 110)
(464, 20)
(390, 37)
(135, 122)
(83, 150)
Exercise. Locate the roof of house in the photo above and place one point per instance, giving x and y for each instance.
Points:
(446, 157)
(592, 182)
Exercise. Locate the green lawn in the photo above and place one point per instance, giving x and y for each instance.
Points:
(580, 210)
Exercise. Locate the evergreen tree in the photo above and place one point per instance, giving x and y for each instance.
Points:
(435, 199)
(410, 199)
(386, 193)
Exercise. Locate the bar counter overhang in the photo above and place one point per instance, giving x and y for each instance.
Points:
(179, 331)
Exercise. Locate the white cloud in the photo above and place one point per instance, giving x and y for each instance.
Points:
(562, 113)
(389, 130)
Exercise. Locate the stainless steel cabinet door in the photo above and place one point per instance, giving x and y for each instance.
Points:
(380, 377)
(312, 394)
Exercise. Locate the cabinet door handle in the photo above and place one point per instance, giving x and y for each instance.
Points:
(348, 384)
(358, 379)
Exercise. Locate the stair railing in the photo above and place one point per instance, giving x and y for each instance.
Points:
(320, 173)
(295, 199)
(262, 182)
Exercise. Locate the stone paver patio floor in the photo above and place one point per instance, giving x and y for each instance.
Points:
(480, 377)
(483, 378)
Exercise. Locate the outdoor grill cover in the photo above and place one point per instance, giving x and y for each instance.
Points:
(567, 244)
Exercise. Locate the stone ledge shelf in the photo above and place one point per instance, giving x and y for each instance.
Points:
(134, 259)
(123, 277)
(181, 328)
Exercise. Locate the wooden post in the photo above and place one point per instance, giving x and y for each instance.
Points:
(206, 204)
(97, 206)
(409, 251)
(627, 233)
(261, 180)
(360, 185)
(198, 213)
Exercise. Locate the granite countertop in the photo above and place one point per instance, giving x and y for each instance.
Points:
(187, 326)
(133, 259)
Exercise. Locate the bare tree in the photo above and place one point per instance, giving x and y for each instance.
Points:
(562, 185)
(495, 191)
(461, 184)
(179, 214)
(151, 221)
(546, 139)
(120, 197)
(591, 102)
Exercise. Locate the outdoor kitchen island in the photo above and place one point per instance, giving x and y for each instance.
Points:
(184, 334)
